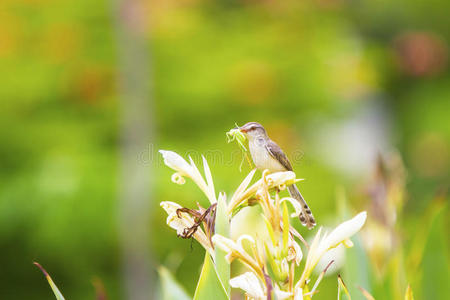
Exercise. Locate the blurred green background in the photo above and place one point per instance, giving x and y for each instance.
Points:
(336, 83)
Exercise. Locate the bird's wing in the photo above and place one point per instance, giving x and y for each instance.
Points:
(278, 154)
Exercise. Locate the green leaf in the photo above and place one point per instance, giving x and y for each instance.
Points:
(209, 285)
(171, 289)
(270, 230)
(55, 290)
(273, 266)
(436, 274)
(342, 289)
(222, 227)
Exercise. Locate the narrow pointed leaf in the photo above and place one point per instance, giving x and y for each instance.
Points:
(222, 227)
(170, 288)
(272, 267)
(342, 289)
(270, 230)
(55, 289)
(209, 285)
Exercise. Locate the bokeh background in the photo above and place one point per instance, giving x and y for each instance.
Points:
(356, 92)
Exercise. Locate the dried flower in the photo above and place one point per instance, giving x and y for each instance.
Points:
(181, 221)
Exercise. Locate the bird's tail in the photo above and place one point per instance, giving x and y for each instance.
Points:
(306, 216)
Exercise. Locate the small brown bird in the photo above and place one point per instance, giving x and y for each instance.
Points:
(266, 154)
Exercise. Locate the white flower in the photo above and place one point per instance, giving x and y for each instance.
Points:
(186, 221)
(278, 179)
(337, 255)
(241, 189)
(250, 284)
(177, 163)
(343, 231)
(236, 250)
(319, 246)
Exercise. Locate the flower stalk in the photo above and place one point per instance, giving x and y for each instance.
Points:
(273, 263)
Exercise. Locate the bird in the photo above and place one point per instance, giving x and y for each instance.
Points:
(267, 155)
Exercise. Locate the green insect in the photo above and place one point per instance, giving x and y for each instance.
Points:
(236, 135)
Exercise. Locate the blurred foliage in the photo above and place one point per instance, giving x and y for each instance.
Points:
(298, 67)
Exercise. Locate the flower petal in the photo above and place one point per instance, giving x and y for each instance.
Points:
(339, 235)
(273, 180)
(242, 186)
(224, 243)
(178, 178)
(344, 231)
(295, 204)
(294, 251)
(244, 237)
(235, 250)
(174, 161)
(208, 175)
(183, 168)
(248, 282)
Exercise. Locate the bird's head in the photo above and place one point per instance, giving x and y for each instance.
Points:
(253, 129)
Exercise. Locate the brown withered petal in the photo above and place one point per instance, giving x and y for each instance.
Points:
(202, 215)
